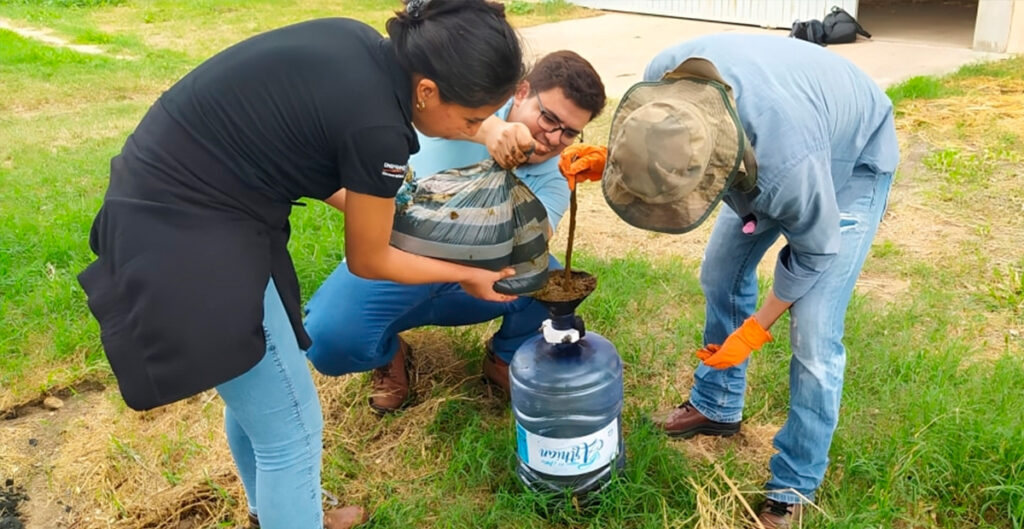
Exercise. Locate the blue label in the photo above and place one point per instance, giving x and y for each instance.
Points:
(521, 443)
(568, 456)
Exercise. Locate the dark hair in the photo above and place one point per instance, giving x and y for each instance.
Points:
(577, 78)
(465, 46)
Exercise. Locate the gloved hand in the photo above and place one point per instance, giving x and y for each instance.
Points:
(705, 352)
(738, 346)
(581, 162)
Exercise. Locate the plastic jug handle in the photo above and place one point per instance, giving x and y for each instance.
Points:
(577, 323)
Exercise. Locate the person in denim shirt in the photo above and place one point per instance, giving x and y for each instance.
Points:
(799, 143)
(355, 322)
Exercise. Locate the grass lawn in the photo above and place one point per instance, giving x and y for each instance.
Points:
(931, 434)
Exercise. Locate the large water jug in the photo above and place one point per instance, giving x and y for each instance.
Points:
(566, 386)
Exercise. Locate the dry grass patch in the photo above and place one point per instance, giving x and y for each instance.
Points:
(96, 464)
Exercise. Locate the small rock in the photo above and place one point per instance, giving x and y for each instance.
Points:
(53, 403)
(33, 441)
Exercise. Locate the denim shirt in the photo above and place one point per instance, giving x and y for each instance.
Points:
(813, 118)
(544, 179)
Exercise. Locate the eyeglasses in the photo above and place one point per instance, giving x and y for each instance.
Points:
(549, 122)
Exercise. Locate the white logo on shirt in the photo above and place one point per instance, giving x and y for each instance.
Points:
(394, 170)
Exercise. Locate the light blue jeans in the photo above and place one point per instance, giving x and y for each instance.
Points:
(728, 278)
(354, 322)
(274, 428)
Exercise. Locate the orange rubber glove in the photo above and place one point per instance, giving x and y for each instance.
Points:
(738, 346)
(581, 162)
(705, 352)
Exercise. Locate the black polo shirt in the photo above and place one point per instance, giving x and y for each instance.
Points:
(303, 110)
(195, 220)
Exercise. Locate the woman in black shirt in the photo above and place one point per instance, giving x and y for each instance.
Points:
(193, 286)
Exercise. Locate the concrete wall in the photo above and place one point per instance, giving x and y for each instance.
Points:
(1016, 39)
(994, 28)
(763, 13)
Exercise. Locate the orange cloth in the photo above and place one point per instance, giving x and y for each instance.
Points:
(738, 346)
(581, 162)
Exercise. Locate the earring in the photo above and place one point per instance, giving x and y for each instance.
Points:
(421, 105)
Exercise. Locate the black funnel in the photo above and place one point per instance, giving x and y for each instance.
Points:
(561, 297)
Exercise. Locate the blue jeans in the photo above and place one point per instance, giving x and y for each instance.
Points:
(274, 428)
(354, 322)
(728, 278)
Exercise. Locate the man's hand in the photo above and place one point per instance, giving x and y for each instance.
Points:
(581, 162)
(705, 352)
(510, 143)
(738, 346)
(481, 284)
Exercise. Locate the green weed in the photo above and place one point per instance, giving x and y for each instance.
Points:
(963, 173)
(1012, 68)
(1006, 291)
(920, 87)
(886, 248)
(542, 7)
(519, 7)
(64, 3)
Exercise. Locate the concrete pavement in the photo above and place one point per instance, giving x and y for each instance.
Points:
(619, 45)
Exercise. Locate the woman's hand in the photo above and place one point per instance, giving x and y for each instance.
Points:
(511, 144)
(480, 284)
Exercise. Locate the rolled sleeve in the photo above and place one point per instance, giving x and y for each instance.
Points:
(805, 206)
(375, 161)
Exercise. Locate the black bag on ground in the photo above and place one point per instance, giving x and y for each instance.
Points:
(841, 28)
(481, 215)
(809, 30)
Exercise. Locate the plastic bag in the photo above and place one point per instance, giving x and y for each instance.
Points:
(481, 215)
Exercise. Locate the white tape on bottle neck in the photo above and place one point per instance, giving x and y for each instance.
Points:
(555, 336)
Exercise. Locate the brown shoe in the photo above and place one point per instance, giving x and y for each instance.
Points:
(345, 517)
(780, 515)
(391, 383)
(685, 421)
(495, 369)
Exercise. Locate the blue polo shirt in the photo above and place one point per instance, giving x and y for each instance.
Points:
(813, 119)
(544, 179)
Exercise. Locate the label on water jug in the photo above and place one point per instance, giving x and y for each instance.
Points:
(568, 456)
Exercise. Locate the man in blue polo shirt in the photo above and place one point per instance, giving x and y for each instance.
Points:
(799, 144)
(354, 322)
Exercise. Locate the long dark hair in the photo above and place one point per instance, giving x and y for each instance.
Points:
(467, 47)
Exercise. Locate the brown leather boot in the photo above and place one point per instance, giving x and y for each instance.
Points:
(780, 515)
(685, 421)
(345, 517)
(495, 369)
(390, 384)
